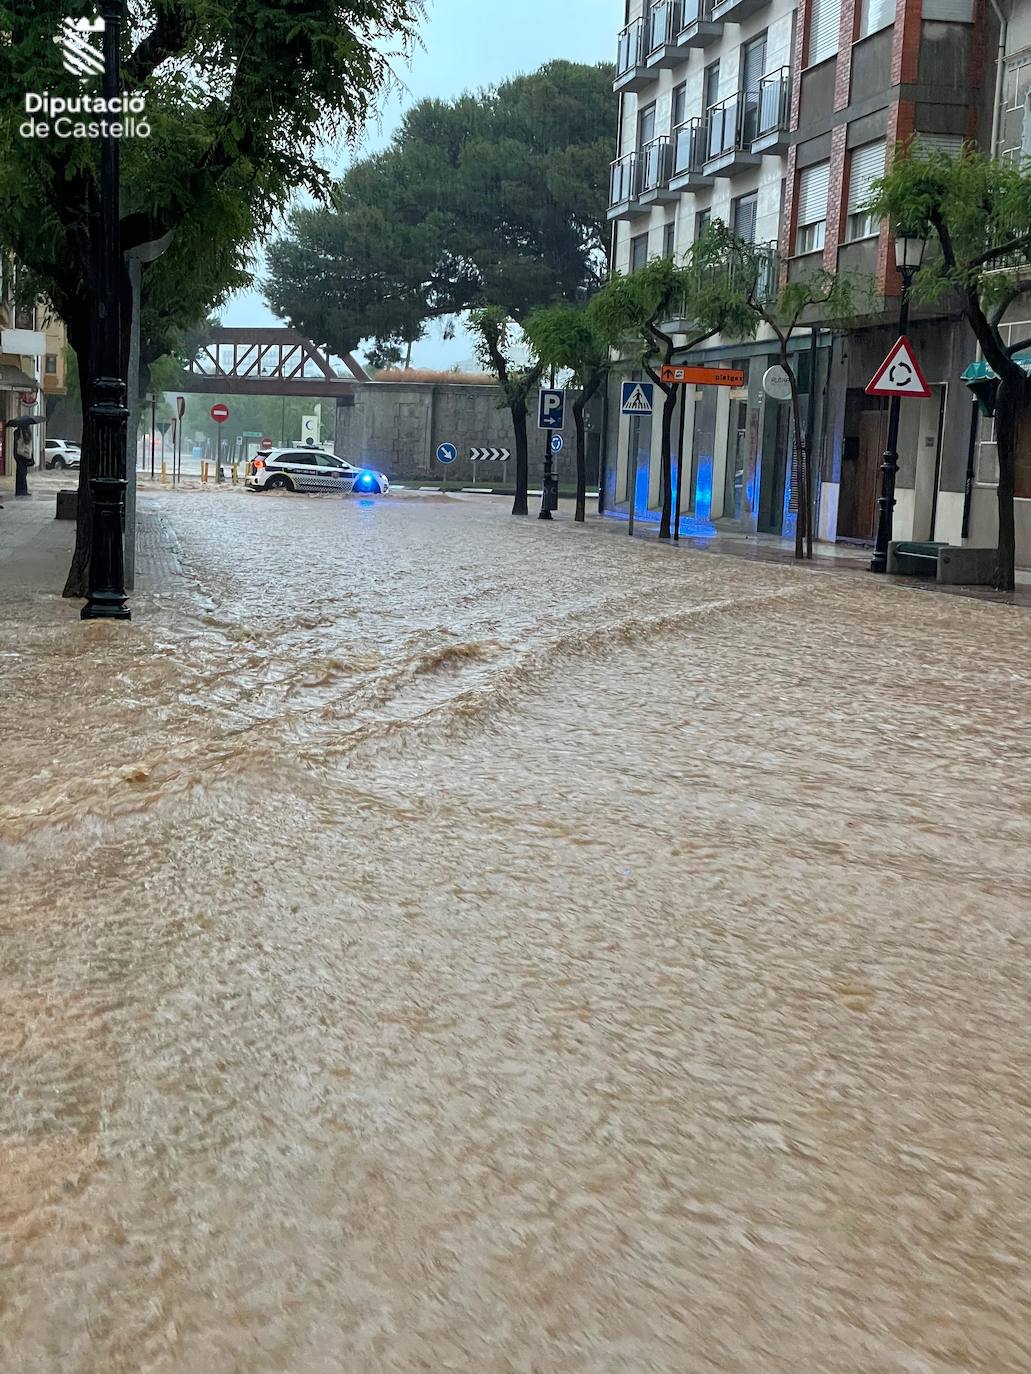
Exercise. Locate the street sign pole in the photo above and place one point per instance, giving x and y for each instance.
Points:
(545, 510)
(680, 462)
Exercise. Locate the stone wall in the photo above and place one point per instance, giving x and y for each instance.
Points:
(398, 427)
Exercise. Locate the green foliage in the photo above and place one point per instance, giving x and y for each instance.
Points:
(492, 331)
(976, 212)
(568, 338)
(497, 198)
(239, 98)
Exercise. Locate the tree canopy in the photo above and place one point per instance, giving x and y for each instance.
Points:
(497, 198)
(238, 98)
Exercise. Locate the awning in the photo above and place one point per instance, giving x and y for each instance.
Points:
(981, 372)
(14, 379)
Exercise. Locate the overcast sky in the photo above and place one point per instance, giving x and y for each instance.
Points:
(466, 44)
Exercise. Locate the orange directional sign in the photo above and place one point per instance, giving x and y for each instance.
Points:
(900, 374)
(702, 376)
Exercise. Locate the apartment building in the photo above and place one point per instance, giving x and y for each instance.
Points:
(777, 117)
(704, 91)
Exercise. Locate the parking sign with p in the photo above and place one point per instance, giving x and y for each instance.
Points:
(552, 410)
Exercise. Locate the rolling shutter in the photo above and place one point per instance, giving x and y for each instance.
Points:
(813, 186)
(876, 14)
(824, 26)
(867, 166)
(956, 11)
(951, 144)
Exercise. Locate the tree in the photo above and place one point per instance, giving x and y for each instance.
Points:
(630, 312)
(568, 338)
(239, 99)
(497, 199)
(977, 212)
(827, 297)
(492, 329)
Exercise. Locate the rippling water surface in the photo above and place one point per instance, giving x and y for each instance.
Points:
(433, 941)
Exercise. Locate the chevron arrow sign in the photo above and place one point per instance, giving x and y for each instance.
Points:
(489, 455)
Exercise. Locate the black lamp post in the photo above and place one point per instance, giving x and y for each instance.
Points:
(909, 252)
(106, 595)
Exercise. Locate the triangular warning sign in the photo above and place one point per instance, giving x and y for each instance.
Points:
(636, 402)
(900, 374)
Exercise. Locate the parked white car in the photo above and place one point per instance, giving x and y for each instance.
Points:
(311, 469)
(61, 453)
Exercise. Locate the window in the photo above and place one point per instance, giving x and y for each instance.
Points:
(867, 166)
(753, 68)
(949, 144)
(874, 15)
(669, 235)
(954, 11)
(295, 459)
(679, 106)
(813, 186)
(701, 222)
(51, 365)
(824, 23)
(744, 217)
(646, 126)
(710, 86)
(638, 252)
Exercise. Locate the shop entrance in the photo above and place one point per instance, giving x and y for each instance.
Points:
(862, 452)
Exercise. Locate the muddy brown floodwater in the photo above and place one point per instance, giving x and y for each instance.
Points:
(438, 942)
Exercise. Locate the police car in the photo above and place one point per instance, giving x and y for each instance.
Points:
(311, 469)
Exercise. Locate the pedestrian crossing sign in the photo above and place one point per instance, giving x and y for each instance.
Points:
(638, 398)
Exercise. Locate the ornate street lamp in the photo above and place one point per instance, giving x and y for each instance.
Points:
(909, 254)
(106, 595)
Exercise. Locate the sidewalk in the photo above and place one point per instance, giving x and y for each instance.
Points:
(770, 548)
(36, 549)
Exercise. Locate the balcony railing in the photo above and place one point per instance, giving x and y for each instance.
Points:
(630, 50)
(655, 161)
(725, 122)
(774, 101)
(623, 181)
(759, 275)
(690, 141)
(665, 24)
(694, 12)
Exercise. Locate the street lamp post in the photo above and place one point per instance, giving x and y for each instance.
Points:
(909, 252)
(106, 595)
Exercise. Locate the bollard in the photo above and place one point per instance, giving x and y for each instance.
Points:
(236, 473)
(204, 470)
(164, 474)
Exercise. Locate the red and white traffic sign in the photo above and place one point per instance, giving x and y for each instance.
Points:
(900, 374)
(220, 413)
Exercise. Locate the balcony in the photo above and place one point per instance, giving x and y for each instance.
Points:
(690, 141)
(663, 27)
(631, 72)
(771, 129)
(735, 10)
(624, 188)
(758, 278)
(654, 165)
(732, 124)
(697, 26)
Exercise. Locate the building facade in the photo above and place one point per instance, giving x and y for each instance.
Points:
(776, 117)
(32, 361)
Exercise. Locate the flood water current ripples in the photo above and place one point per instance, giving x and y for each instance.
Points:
(431, 941)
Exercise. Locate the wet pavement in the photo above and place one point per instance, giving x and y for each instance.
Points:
(435, 941)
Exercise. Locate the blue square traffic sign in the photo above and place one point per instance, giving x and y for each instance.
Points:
(552, 410)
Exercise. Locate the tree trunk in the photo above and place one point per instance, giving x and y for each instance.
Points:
(78, 574)
(522, 482)
(1013, 435)
(798, 472)
(581, 460)
(669, 407)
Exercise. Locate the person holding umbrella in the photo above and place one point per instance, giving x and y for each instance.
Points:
(23, 459)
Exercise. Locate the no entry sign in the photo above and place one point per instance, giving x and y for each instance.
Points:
(220, 413)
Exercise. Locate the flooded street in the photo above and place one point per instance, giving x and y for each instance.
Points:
(438, 942)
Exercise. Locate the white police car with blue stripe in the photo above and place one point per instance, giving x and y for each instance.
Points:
(312, 469)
